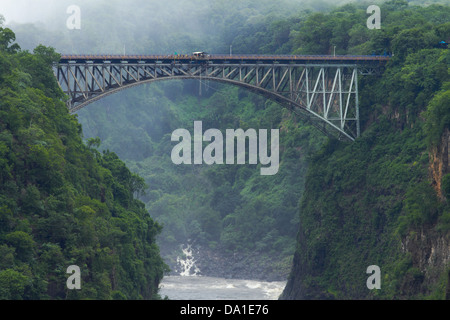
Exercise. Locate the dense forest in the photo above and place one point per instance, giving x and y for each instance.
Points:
(70, 184)
(62, 202)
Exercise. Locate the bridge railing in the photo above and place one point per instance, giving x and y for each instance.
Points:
(221, 57)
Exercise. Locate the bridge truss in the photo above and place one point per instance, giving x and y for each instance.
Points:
(324, 94)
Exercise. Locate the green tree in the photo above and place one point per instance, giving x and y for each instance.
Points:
(7, 36)
(12, 284)
(438, 114)
(22, 242)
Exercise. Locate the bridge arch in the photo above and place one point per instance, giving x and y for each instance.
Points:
(323, 93)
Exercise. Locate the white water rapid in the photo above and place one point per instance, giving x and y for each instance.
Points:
(187, 262)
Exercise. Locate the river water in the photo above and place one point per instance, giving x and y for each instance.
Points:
(189, 284)
(209, 288)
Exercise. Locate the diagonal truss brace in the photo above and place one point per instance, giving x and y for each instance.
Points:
(325, 94)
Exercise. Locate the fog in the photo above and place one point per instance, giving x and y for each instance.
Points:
(152, 26)
(142, 26)
(47, 11)
(28, 11)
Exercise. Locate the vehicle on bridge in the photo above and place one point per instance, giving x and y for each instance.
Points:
(443, 45)
(200, 54)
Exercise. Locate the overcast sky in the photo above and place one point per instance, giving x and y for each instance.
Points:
(23, 11)
(138, 25)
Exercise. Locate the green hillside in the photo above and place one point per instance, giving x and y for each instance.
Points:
(63, 203)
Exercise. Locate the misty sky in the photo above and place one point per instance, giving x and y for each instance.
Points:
(22, 11)
(26, 11)
(143, 26)
(113, 25)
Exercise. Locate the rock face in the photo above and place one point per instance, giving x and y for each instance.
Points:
(430, 253)
(439, 164)
(251, 266)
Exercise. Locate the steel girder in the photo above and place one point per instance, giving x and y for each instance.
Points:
(324, 94)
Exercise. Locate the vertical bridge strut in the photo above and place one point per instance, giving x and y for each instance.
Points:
(324, 93)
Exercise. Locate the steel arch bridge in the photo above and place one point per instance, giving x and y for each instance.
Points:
(322, 89)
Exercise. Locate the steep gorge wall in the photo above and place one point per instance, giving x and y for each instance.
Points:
(429, 248)
(430, 254)
(439, 165)
(348, 223)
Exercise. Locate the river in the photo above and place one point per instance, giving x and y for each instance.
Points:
(189, 284)
(209, 288)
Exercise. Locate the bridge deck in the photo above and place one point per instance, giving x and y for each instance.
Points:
(220, 58)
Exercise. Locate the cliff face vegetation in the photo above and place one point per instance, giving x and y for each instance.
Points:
(63, 203)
